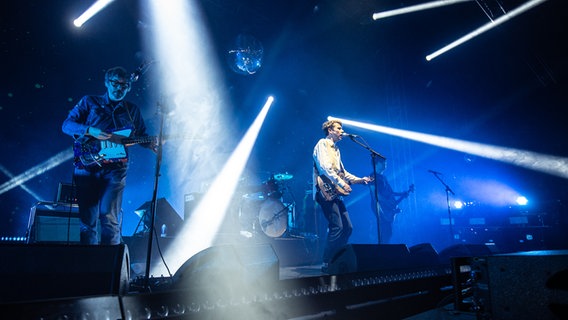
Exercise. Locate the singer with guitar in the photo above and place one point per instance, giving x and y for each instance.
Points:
(388, 201)
(331, 183)
(99, 125)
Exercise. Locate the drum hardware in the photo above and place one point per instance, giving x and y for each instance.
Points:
(283, 176)
(262, 209)
(271, 189)
(257, 196)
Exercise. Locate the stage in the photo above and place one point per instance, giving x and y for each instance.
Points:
(251, 281)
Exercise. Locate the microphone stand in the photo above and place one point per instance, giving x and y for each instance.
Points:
(153, 205)
(448, 191)
(374, 156)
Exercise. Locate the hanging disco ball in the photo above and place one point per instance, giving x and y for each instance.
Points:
(246, 55)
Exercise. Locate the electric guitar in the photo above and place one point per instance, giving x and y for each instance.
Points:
(389, 207)
(93, 153)
(329, 190)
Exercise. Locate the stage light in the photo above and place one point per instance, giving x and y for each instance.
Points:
(522, 201)
(553, 165)
(490, 25)
(91, 12)
(246, 55)
(458, 204)
(419, 7)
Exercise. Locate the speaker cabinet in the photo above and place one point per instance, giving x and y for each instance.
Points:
(46, 271)
(54, 223)
(424, 255)
(295, 251)
(466, 250)
(369, 257)
(229, 267)
(526, 285)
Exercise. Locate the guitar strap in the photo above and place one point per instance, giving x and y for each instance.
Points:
(124, 104)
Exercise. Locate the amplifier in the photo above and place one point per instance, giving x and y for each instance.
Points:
(54, 223)
(66, 194)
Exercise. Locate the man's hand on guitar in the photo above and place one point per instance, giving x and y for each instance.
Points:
(98, 133)
(365, 180)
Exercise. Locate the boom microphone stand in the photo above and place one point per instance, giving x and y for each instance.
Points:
(448, 191)
(154, 200)
(374, 156)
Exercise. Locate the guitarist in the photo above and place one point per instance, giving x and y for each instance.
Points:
(388, 201)
(100, 187)
(332, 182)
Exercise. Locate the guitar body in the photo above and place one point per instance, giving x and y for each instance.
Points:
(389, 210)
(389, 207)
(328, 190)
(94, 153)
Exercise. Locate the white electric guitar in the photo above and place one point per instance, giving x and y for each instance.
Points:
(94, 153)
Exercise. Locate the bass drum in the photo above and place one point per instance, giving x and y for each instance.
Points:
(273, 218)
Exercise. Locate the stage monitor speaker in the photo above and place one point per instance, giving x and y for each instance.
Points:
(466, 250)
(228, 267)
(369, 257)
(166, 216)
(524, 285)
(424, 255)
(98, 307)
(46, 271)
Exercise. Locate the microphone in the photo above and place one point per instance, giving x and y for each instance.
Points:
(350, 135)
(434, 172)
(134, 76)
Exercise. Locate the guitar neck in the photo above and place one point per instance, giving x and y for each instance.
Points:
(138, 140)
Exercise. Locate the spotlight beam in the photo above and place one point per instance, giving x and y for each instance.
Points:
(36, 171)
(419, 7)
(23, 186)
(488, 26)
(91, 12)
(549, 164)
(202, 227)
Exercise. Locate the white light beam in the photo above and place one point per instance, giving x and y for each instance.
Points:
(91, 12)
(486, 27)
(419, 7)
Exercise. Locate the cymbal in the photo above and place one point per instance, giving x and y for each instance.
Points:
(283, 176)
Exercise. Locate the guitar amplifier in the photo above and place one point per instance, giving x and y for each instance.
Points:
(54, 223)
(67, 194)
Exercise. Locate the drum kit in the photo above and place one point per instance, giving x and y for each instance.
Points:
(264, 209)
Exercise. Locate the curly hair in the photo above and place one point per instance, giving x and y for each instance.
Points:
(328, 124)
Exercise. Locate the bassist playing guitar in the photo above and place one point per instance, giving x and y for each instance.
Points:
(388, 201)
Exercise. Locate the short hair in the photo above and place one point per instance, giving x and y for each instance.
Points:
(117, 71)
(328, 124)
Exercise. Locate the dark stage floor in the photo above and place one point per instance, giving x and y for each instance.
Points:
(55, 281)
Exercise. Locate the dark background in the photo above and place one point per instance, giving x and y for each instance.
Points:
(506, 87)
